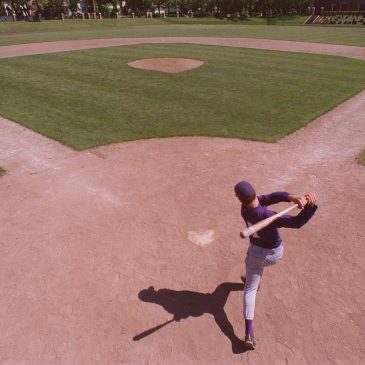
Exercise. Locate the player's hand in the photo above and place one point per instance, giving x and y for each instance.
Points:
(311, 199)
(301, 200)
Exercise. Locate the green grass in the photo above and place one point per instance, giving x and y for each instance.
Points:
(282, 20)
(361, 158)
(25, 32)
(2, 171)
(92, 97)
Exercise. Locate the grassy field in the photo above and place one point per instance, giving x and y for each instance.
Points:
(361, 158)
(26, 32)
(282, 20)
(92, 97)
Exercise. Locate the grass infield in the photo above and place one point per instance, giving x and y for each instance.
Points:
(54, 30)
(92, 97)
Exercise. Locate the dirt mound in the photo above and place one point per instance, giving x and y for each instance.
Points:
(168, 65)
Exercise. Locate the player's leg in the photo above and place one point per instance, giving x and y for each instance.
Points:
(254, 274)
(257, 259)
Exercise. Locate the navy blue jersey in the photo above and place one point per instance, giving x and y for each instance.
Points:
(269, 236)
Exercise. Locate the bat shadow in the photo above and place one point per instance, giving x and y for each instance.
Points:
(183, 304)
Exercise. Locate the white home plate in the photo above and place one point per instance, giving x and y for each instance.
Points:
(201, 238)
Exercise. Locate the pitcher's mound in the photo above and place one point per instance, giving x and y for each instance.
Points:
(169, 65)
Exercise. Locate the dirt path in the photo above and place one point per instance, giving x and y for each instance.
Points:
(62, 46)
(83, 233)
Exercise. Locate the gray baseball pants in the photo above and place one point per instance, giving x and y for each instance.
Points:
(256, 260)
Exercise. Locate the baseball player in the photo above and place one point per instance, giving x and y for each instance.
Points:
(265, 246)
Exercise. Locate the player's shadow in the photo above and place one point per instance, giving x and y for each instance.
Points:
(183, 304)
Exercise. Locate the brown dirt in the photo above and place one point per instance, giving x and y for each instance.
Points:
(62, 46)
(168, 65)
(83, 233)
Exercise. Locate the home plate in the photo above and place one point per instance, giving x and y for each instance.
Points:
(201, 238)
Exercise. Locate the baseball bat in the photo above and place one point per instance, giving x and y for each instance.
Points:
(265, 222)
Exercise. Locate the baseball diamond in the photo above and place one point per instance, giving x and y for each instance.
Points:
(130, 252)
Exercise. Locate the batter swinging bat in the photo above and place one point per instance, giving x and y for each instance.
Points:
(265, 222)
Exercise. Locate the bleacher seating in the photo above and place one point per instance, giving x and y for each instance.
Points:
(344, 17)
(347, 19)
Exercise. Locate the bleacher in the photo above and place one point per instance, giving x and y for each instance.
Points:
(347, 19)
(343, 17)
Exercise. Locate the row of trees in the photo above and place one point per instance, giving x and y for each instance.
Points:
(110, 8)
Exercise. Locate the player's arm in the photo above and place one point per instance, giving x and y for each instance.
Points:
(274, 198)
(303, 217)
(282, 196)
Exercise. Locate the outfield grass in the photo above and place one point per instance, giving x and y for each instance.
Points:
(26, 32)
(92, 97)
(281, 20)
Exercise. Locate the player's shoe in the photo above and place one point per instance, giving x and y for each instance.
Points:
(249, 343)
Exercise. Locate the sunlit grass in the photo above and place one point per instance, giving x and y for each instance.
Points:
(92, 97)
(54, 30)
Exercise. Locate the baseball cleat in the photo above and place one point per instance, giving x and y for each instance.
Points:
(249, 343)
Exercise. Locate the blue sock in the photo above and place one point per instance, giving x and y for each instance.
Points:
(249, 326)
